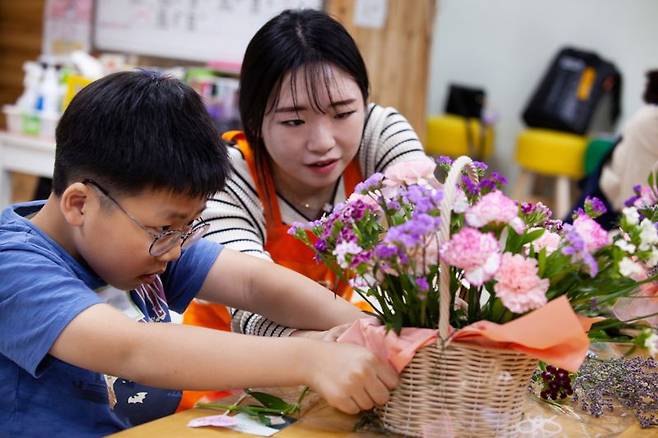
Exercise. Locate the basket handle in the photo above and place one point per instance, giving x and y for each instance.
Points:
(449, 192)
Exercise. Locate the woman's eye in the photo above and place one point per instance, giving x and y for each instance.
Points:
(295, 122)
(345, 114)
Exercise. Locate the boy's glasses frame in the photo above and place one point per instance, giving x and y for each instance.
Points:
(166, 240)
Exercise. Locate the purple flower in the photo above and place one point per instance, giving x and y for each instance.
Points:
(320, 245)
(487, 185)
(480, 166)
(631, 201)
(577, 249)
(500, 179)
(347, 235)
(412, 233)
(356, 209)
(423, 199)
(372, 183)
(494, 182)
(360, 258)
(527, 208)
(469, 185)
(553, 225)
(392, 204)
(422, 284)
(444, 161)
(295, 228)
(594, 207)
(385, 251)
(576, 242)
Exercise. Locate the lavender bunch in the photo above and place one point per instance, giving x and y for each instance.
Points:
(633, 383)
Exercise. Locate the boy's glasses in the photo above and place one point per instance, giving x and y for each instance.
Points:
(164, 241)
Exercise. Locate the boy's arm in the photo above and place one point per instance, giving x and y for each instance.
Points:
(184, 357)
(278, 293)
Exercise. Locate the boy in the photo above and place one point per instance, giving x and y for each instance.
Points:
(137, 156)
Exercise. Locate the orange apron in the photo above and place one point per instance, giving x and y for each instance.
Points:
(284, 249)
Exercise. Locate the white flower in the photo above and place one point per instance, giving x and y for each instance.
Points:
(648, 234)
(631, 215)
(653, 258)
(460, 203)
(626, 246)
(358, 282)
(548, 240)
(628, 268)
(651, 343)
(343, 249)
(517, 225)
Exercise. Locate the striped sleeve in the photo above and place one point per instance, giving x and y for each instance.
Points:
(237, 221)
(388, 138)
(235, 215)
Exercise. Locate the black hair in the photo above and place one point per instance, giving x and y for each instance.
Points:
(301, 41)
(139, 130)
(651, 90)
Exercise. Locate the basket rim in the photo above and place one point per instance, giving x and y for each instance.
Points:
(474, 346)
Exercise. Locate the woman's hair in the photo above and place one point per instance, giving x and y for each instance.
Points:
(302, 42)
(651, 91)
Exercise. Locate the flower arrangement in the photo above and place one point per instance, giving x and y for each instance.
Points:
(506, 259)
(504, 283)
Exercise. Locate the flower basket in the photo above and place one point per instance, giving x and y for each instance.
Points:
(460, 390)
(506, 285)
(457, 388)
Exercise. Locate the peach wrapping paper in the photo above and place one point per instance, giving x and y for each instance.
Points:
(553, 334)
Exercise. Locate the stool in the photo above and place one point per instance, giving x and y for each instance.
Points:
(447, 135)
(551, 153)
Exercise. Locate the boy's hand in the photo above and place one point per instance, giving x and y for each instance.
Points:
(349, 377)
(330, 335)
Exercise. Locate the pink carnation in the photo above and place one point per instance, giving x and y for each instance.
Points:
(548, 240)
(518, 285)
(591, 232)
(411, 172)
(495, 207)
(475, 252)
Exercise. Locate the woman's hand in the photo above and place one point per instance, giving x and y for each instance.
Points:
(330, 335)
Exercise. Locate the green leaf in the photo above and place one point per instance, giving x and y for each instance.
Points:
(532, 235)
(270, 401)
(541, 262)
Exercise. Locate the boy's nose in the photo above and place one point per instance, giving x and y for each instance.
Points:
(172, 254)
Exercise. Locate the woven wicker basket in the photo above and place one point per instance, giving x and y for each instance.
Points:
(456, 389)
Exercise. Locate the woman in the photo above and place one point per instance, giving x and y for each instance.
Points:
(629, 162)
(309, 137)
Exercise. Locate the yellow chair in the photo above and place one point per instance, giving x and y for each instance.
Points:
(551, 153)
(447, 135)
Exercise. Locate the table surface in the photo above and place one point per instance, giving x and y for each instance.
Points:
(321, 421)
(25, 154)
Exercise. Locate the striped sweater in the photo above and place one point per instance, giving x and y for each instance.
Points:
(236, 215)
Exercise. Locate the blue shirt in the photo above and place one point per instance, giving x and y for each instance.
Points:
(43, 288)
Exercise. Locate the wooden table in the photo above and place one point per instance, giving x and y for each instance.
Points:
(321, 421)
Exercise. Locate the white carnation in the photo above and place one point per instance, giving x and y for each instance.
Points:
(628, 268)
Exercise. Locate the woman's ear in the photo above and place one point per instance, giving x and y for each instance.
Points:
(74, 202)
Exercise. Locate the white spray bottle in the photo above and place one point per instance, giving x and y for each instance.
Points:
(50, 92)
(33, 73)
